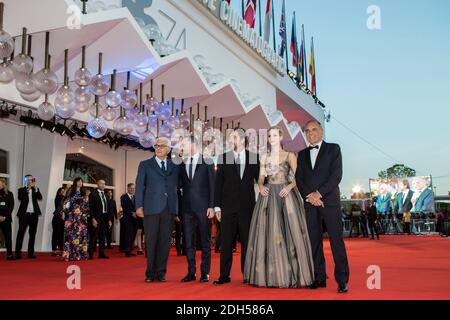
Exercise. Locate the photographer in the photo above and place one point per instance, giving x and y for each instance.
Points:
(28, 215)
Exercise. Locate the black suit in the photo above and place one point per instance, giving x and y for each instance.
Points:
(98, 234)
(27, 219)
(236, 198)
(112, 212)
(325, 178)
(6, 208)
(129, 222)
(198, 196)
(58, 225)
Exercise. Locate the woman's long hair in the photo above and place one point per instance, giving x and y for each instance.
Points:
(73, 188)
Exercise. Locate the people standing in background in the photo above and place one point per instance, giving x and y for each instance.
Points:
(28, 215)
(139, 235)
(423, 196)
(58, 224)
(112, 213)
(197, 181)
(179, 236)
(404, 203)
(355, 214)
(6, 209)
(407, 222)
(75, 212)
(372, 218)
(157, 203)
(99, 220)
(128, 205)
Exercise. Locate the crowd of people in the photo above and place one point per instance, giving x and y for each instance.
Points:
(280, 231)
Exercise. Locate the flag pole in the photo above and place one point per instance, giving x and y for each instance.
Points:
(260, 19)
(273, 27)
(314, 67)
(243, 10)
(286, 37)
(305, 69)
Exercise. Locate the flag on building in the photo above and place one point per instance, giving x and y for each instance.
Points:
(250, 12)
(312, 69)
(294, 43)
(283, 34)
(268, 21)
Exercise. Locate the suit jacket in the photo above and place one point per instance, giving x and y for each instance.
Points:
(425, 201)
(7, 209)
(112, 209)
(326, 175)
(127, 205)
(384, 203)
(155, 189)
(404, 205)
(23, 198)
(231, 193)
(198, 194)
(96, 206)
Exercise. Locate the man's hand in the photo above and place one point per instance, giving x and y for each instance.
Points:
(110, 224)
(2, 219)
(140, 212)
(314, 197)
(210, 213)
(94, 223)
(177, 219)
(219, 216)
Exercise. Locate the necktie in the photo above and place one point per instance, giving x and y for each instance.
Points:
(163, 166)
(132, 200)
(103, 200)
(191, 166)
(238, 163)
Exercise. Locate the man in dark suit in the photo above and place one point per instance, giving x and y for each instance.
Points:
(319, 172)
(112, 213)
(197, 182)
(99, 220)
(423, 196)
(234, 200)
(28, 215)
(128, 204)
(404, 197)
(157, 203)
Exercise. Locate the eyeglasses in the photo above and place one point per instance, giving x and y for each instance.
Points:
(160, 146)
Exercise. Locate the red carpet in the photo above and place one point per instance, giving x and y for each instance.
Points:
(411, 268)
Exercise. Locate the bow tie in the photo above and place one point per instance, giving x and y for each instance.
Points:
(311, 147)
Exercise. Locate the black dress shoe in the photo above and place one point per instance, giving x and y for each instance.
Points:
(32, 256)
(149, 279)
(140, 253)
(10, 258)
(343, 288)
(244, 281)
(178, 253)
(222, 281)
(189, 278)
(103, 257)
(204, 278)
(18, 256)
(129, 254)
(318, 284)
(161, 279)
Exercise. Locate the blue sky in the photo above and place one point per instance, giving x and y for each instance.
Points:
(391, 86)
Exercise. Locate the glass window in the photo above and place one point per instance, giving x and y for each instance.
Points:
(3, 162)
(78, 165)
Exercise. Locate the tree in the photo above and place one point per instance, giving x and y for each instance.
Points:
(397, 171)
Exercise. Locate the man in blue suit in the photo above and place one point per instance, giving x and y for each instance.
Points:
(197, 182)
(424, 202)
(384, 201)
(157, 203)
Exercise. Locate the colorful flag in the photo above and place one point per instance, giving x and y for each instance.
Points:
(294, 44)
(312, 69)
(283, 34)
(268, 21)
(250, 11)
(302, 59)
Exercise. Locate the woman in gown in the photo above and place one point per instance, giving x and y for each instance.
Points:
(76, 212)
(279, 251)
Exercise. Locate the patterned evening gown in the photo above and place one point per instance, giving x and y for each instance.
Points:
(76, 211)
(279, 251)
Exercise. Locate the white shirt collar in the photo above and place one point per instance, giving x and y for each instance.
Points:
(241, 154)
(194, 158)
(159, 160)
(130, 195)
(100, 191)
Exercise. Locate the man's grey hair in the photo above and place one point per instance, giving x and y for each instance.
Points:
(163, 139)
(312, 121)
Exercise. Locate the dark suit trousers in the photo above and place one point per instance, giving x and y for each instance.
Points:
(5, 226)
(190, 223)
(130, 227)
(230, 226)
(122, 238)
(158, 233)
(180, 241)
(333, 222)
(27, 220)
(97, 235)
(57, 233)
(109, 232)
